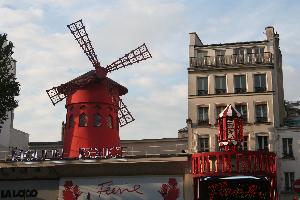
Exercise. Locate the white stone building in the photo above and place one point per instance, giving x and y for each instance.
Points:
(247, 75)
(9, 136)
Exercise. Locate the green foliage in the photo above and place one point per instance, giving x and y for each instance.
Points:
(9, 87)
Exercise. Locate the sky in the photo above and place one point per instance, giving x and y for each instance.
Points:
(47, 54)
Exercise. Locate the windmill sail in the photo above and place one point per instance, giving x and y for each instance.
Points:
(134, 56)
(81, 36)
(124, 115)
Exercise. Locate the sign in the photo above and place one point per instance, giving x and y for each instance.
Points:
(31, 190)
(35, 155)
(125, 188)
(57, 154)
(213, 188)
(296, 186)
(100, 153)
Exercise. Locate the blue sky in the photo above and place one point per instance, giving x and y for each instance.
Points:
(48, 56)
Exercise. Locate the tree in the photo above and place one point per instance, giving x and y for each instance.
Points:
(9, 87)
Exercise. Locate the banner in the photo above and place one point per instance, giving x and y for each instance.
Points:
(117, 188)
(31, 190)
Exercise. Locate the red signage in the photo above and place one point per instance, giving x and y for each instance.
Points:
(296, 186)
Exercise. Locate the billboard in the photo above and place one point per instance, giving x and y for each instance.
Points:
(29, 189)
(117, 188)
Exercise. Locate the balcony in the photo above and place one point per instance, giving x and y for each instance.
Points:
(222, 61)
(202, 92)
(261, 119)
(260, 89)
(239, 90)
(203, 122)
(220, 91)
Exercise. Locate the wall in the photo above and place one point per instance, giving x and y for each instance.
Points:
(288, 164)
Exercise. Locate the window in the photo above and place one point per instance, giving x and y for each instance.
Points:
(240, 83)
(71, 121)
(202, 86)
(82, 107)
(242, 109)
(259, 50)
(97, 120)
(203, 145)
(220, 84)
(245, 143)
(249, 55)
(289, 178)
(110, 121)
(220, 57)
(259, 54)
(239, 55)
(202, 115)
(259, 82)
(262, 142)
(201, 54)
(261, 113)
(219, 109)
(202, 57)
(287, 147)
(83, 119)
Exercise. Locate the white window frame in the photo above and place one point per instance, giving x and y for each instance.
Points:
(205, 148)
(263, 141)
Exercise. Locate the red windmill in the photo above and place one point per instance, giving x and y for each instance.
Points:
(94, 107)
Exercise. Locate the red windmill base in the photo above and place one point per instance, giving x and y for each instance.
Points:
(215, 173)
(92, 119)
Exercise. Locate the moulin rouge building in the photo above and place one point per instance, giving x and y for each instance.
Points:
(232, 109)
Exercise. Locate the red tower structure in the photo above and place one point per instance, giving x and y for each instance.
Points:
(233, 173)
(94, 107)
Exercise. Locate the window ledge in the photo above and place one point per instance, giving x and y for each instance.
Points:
(288, 158)
(258, 123)
(288, 192)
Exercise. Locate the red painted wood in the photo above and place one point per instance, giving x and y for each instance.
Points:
(90, 100)
(296, 186)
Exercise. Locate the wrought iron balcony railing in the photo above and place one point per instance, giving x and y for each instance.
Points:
(235, 59)
(260, 89)
(220, 91)
(203, 122)
(261, 119)
(240, 90)
(202, 92)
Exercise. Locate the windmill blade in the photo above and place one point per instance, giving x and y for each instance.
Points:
(81, 36)
(134, 56)
(124, 115)
(57, 94)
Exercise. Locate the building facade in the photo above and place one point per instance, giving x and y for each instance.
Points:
(247, 75)
(9, 136)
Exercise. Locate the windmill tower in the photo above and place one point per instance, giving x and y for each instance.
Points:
(94, 107)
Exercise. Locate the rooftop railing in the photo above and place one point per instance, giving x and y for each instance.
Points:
(235, 59)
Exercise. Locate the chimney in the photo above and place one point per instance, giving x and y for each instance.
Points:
(194, 40)
(269, 32)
